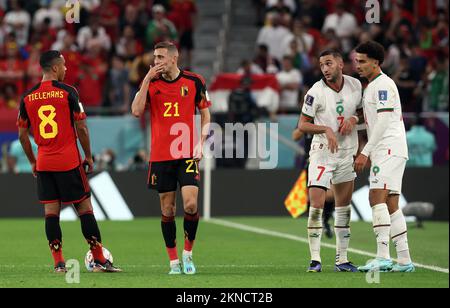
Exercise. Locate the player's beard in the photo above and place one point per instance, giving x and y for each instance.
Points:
(334, 77)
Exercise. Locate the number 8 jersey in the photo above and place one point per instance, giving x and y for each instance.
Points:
(50, 110)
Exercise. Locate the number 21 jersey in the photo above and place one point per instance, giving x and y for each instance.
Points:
(173, 105)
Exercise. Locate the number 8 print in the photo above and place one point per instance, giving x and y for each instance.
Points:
(48, 120)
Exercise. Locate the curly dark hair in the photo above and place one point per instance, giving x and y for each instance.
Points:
(373, 50)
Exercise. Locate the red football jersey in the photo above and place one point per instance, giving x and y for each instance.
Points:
(50, 109)
(173, 106)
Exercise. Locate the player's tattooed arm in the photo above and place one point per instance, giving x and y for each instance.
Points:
(307, 126)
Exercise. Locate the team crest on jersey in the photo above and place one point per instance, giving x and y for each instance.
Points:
(309, 100)
(383, 95)
(184, 91)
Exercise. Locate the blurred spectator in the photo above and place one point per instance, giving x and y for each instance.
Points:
(265, 61)
(18, 21)
(106, 161)
(12, 68)
(183, 14)
(128, 47)
(73, 58)
(331, 40)
(404, 79)
(94, 34)
(242, 107)
(249, 68)
(139, 68)
(17, 159)
(91, 78)
(314, 10)
(421, 145)
(3, 28)
(281, 6)
(313, 75)
(118, 87)
(438, 78)
(392, 60)
(272, 35)
(46, 11)
(108, 13)
(139, 161)
(299, 58)
(398, 14)
(344, 25)
(440, 33)
(132, 18)
(9, 98)
(284, 8)
(33, 68)
(44, 35)
(305, 41)
(290, 80)
(159, 28)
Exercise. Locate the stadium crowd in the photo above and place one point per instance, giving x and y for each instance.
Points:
(109, 50)
(414, 34)
(107, 53)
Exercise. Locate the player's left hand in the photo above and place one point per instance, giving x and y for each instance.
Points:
(88, 164)
(347, 127)
(198, 152)
(360, 163)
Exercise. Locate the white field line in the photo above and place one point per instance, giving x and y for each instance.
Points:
(257, 230)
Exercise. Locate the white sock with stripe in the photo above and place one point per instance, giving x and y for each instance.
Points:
(315, 232)
(382, 227)
(342, 231)
(400, 237)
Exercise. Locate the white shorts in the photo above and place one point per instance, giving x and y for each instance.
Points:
(326, 168)
(386, 172)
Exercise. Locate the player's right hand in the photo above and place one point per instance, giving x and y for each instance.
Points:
(154, 71)
(332, 141)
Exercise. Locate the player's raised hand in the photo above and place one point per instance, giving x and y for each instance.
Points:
(154, 71)
(360, 163)
(332, 141)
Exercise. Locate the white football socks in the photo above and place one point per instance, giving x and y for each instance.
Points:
(342, 231)
(381, 227)
(315, 232)
(187, 253)
(400, 237)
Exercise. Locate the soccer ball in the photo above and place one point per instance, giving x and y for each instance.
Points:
(89, 259)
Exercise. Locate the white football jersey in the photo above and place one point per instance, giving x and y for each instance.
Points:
(381, 95)
(330, 108)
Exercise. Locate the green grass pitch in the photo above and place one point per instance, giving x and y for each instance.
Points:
(225, 257)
